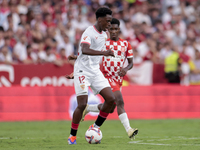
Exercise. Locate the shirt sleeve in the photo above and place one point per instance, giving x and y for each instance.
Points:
(85, 38)
(129, 51)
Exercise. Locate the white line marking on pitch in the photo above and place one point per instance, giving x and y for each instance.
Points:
(177, 138)
(3, 138)
(138, 142)
(117, 136)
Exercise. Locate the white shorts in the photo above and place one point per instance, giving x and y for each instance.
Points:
(96, 83)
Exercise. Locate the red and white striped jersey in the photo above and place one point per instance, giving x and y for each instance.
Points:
(111, 65)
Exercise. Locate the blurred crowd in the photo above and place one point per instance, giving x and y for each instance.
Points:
(48, 31)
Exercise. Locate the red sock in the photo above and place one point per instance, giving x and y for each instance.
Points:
(103, 114)
(74, 128)
(101, 118)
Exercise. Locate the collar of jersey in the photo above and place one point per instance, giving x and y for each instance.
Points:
(97, 30)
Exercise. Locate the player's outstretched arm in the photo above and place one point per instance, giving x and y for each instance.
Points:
(87, 51)
(123, 71)
(72, 57)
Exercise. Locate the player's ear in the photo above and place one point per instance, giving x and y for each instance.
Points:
(99, 19)
(118, 28)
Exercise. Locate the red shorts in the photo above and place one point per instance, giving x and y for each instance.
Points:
(115, 86)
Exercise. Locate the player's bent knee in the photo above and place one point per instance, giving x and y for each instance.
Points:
(120, 102)
(82, 106)
(111, 100)
(113, 108)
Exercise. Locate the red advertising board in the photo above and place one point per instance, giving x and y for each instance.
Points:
(34, 75)
(57, 103)
(52, 75)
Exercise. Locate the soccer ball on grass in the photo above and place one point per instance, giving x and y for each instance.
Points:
(93, 136)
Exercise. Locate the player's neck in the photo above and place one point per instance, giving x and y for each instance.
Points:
(115, 39)
(98, 28)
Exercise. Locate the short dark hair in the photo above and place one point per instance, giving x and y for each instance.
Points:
(103, 11)
(28, 46)
(115, 21)
(47, 48)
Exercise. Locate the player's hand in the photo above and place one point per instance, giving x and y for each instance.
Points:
(72, 57)
(122, 72)
(69, 76)
(109, 53)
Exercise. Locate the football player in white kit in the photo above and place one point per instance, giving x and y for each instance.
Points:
(87, 71)
(114, 71)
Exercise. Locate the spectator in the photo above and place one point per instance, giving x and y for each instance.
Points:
(22, 7)
(47, 56)
(36, 34)
(48, 21)
(172, 65)
(23, 20)
(5, 9)
(2, 41)
(187, 65)
(38, 19)
(67, 45)
(8, 23)
(35, 7)
(136, 58)
(70, 32)
(9, 33)
(12, 20)
(154, 15)
(5, 55)
(190, 51)
(8, 45)
(58, 17)
(165, 51)
(167, 16)
(31, 56)
(62, 59)
(177, 39)
(19, 51)
(195, 75)
(81, 23)
(142, 15)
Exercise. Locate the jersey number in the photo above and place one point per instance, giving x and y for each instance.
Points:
(81, 79)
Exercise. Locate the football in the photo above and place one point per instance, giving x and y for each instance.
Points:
(93, 136)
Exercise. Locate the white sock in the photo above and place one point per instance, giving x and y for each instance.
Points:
(125, 121)
(93, 108)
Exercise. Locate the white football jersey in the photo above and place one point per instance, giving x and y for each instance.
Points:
(88, 64)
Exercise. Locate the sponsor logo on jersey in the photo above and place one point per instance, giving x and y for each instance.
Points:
(113, 83)
(130, 51)
(85, 38)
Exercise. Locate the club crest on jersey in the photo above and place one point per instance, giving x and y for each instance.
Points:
(82, 86)
(85, 38)
(123, 49)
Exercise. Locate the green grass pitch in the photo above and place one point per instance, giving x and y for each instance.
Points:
(52, 135)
